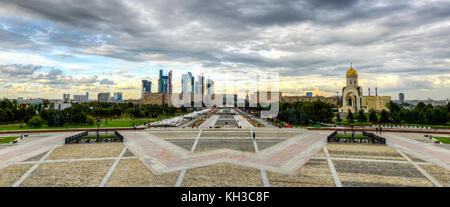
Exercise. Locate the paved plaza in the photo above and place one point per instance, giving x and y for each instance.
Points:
(224, 157)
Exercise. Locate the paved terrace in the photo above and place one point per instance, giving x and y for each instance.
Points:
(161, 156)
(23, 151)
(426, 151)
(113, 164)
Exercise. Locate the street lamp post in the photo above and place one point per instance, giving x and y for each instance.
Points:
(67, 120)
(353, 134)
(98, 121)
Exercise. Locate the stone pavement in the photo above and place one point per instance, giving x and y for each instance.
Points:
(161, 156)
(243, 122)
(23, 151)
(209, 122)
(426, 151)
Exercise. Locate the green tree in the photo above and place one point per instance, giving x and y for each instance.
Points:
(439, 116)
(384, 117)
(90, 120)
(395, 117)
(45, 103)
(421, 118)
(292, 116)
(393, 107)
(373, 118)
(350, 116)
(338, 117)
(36, 122)
(361, 117)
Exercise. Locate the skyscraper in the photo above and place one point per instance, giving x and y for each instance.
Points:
(187, 83)
(200, 85)
(165, 82)
(118, 96)
(146, 87)
(209, 86)
(170, 82)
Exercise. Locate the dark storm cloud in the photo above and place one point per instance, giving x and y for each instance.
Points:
(15, 70)
(13, 40)
(53, 77)
(312, 37)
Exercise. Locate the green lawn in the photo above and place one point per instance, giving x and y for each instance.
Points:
(445, 140)
(110, 123)
(8, 139)
(103, 136)
(349, 136)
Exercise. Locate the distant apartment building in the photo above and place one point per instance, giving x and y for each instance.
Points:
(146, 87)
(66, 97)
(117, 96)
(104, 97)
(401, 98)
(292, 99)
(81, 98)
(377, 103)
(61, 106)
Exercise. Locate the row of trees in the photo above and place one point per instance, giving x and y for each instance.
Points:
(78, 113)
(11, 111)
(303, 113)
(421, 114)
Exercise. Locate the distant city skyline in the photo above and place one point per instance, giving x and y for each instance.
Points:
(48, 48)
(197, 88)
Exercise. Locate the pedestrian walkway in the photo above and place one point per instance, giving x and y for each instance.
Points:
(426, 151)
(209, 122)
(161, 156)
(23, 151)
(243, 122)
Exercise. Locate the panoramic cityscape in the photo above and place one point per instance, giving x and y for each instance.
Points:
(224, 94)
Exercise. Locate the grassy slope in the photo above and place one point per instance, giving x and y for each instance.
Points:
(445, 140)
(8, 139)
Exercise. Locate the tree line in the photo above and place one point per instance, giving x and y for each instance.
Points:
(78, 113)
(304, 113)
(397, 114)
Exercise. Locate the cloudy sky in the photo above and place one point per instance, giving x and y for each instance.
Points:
(51, 47)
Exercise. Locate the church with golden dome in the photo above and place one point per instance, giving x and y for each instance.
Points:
(352, 96)
(353, 99)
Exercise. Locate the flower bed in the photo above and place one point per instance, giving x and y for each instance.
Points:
(200, 121)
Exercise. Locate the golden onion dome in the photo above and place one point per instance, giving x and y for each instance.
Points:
(351, 71)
